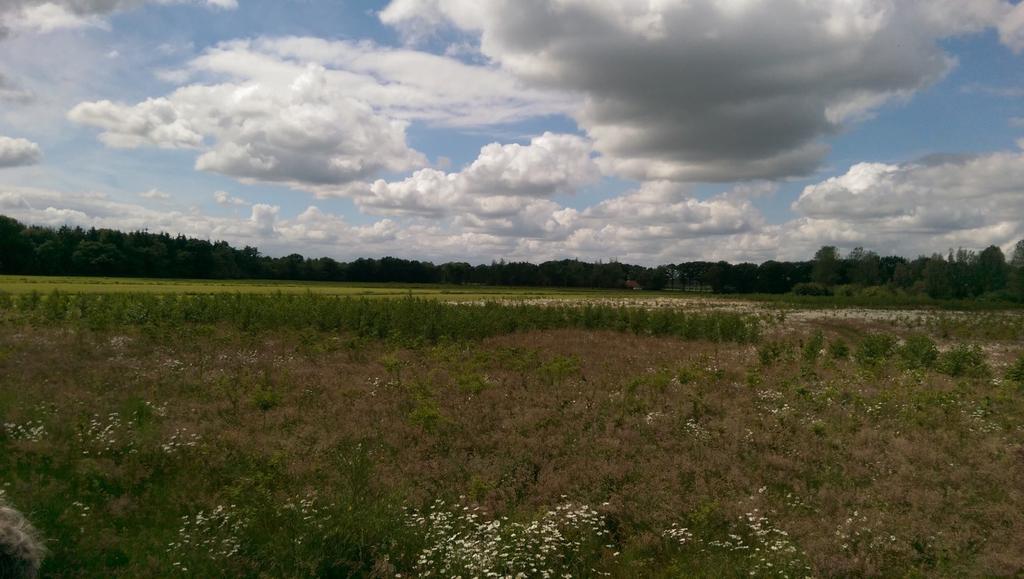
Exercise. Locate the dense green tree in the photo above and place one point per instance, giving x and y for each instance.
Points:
(1016, 275)
(992, 269)
(77, 251)
(97, 258)
(937, 278)
(864, 267)
(827, 267)
(774, 277)
(903, 276)
(15, 248)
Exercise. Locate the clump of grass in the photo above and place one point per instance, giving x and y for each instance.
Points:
(559, 369)
(813, 347)
(266, 399)
(752, 544)
(472, 382)
(773, 352)
(838, 349)
(393, 366)
(875, 349)
(1015, 373)
(656, 379)
(919, 352)
(964, 361)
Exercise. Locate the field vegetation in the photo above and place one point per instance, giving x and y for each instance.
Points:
(299, 435)
(26, 284)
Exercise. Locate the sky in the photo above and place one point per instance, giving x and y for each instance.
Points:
(643, 131)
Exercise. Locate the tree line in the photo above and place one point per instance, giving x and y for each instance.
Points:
(35, 250)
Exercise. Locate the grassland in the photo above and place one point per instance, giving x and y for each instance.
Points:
(21, 284)
(292, 435)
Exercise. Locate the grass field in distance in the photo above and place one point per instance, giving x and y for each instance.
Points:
(17, 284)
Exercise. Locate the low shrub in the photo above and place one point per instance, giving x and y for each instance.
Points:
(772, 352)
(1016, 372)
(919, 351)
(875, 349)
(838, 349)
(964, 361)
(811, 289)
(813, 347)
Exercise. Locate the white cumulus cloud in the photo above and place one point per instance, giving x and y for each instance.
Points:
(506, 187)
(925, 206)
(40, 16)
(715, 90)
(155, 194)
(299, 131)
(18, 152)
(225, 198)
(312, 113)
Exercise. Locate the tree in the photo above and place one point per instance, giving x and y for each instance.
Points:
(1016, 281)
(937, 279)
(1017, 260)
(773, 277)
(992, 269)
(864, 267)
(902, 276)
(16, 252)
(716, 276)
(826, 266)
(97, 258)
(963, 273)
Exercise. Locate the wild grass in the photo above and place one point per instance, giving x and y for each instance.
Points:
(882, 301)
(312, 436)
(408, 320)
(23, 284)
(981, 326)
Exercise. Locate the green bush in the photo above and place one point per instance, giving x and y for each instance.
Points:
(559, 369)
(811, 289)
(813, 347)
(875, 349)
(919, 351)
(472, 382)
(266, 399)
(1016, 372)
(772, 352)
(838, 349)
(964, 361)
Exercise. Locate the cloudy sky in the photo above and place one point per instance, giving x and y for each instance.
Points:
(648, 131)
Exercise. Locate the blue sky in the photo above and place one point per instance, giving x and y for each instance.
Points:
(447, 129)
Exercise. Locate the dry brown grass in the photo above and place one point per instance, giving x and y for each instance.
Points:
(871, 471)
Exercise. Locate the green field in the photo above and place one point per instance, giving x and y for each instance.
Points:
(22, 284)
(19, 284)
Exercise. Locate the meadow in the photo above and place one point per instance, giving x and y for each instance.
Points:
(295, 434)
(21, 284)
(27, 284)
